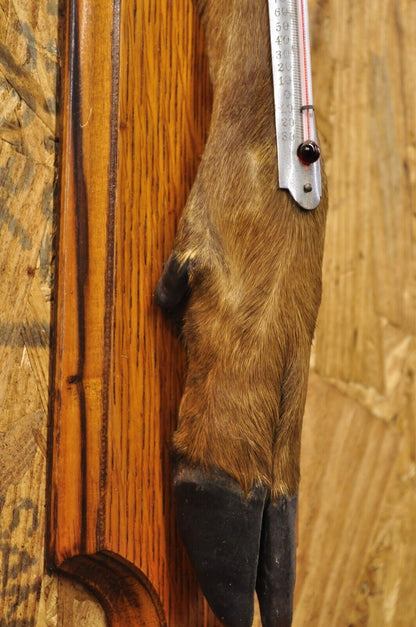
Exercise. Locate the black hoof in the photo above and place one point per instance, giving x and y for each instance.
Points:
(277, 563)
(238, 545)
(221, 531)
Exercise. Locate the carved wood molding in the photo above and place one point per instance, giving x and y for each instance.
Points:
(135, 111)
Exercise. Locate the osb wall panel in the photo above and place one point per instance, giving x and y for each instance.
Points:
(364, 360)
(28, 74)
(366, 100)
(365, 344)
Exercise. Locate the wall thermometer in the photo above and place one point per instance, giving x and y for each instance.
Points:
(297, 143)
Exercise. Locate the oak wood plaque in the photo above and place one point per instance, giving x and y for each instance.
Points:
(135, 111)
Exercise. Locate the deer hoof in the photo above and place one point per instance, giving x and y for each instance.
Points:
(238, 543)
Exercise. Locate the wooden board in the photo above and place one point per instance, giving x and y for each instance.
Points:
(28, 73)
(366, 103)
(364, 72)
(117, 366)
(348, 461)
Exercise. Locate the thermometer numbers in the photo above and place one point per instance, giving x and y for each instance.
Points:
(285, 81)
(298, 154)
(283, 54)
(282, 40)
(286, 136)
(287, 133)
(279, 11)
(286, 109)
(283, 28)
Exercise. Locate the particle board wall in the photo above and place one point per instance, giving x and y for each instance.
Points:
(357, 527)
(28, 76)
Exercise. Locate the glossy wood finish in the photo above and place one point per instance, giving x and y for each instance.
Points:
(136, 106)
(85, 226)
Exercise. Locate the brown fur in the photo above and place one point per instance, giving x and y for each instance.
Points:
(255, 271)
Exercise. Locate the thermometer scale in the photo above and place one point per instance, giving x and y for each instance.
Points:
(297, 142)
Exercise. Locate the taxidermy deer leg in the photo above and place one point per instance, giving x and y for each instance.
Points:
(245, 274)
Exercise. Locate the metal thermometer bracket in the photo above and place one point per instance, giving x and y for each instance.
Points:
(294, 112)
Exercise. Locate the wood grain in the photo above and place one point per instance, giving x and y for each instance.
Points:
(82, 273)
(341, 498)
(164, 110)
(364, 75)
(28, 71)
(369, 261)
(117, 364)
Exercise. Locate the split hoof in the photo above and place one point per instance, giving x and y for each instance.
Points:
(237, 545)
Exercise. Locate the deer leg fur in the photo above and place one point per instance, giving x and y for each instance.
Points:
(245, 277)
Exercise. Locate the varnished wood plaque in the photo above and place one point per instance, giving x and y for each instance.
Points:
(135, 111)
